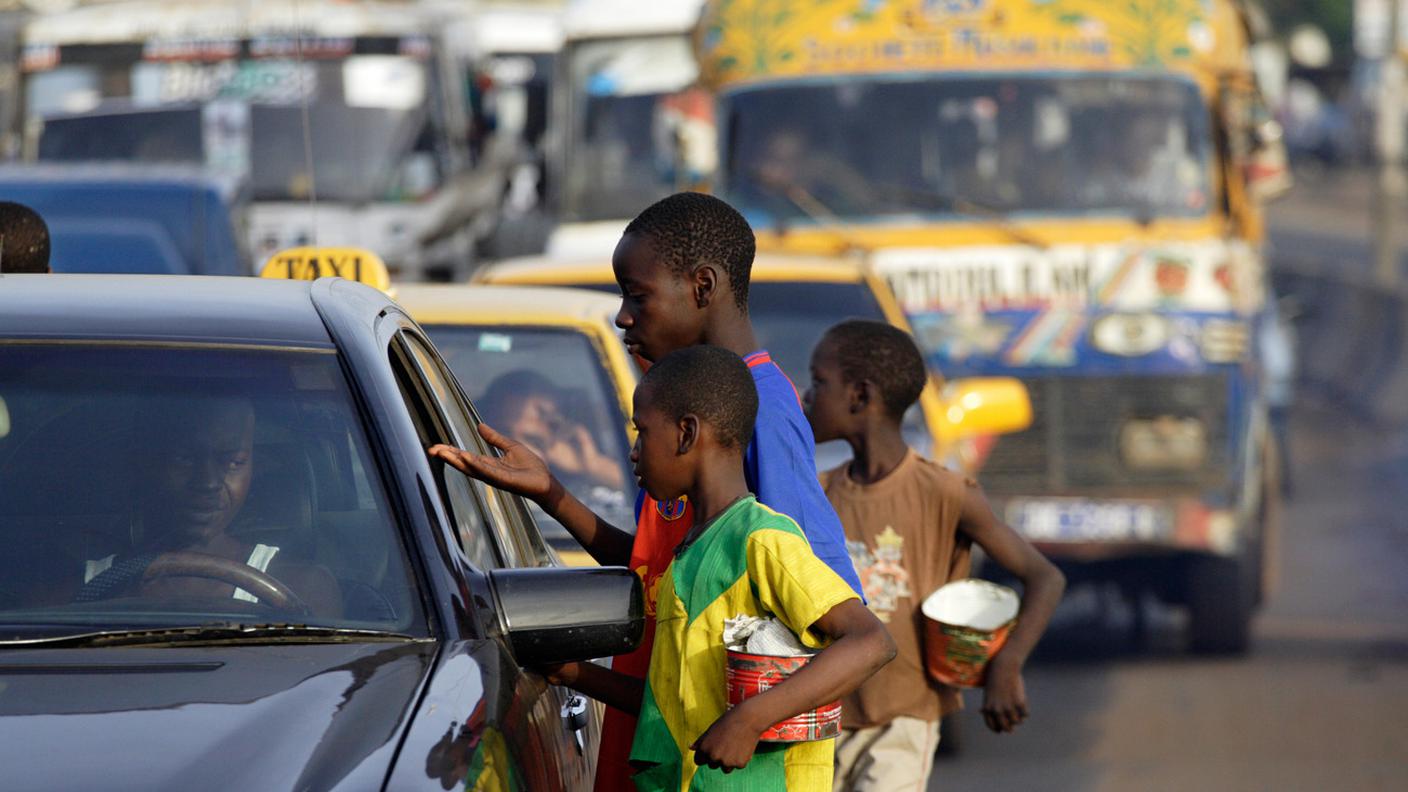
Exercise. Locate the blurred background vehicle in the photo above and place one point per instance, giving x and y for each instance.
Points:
(1060, 192)
(510, 52)
(124, 217)
(630, 125)
(546, 367)
(358, 105)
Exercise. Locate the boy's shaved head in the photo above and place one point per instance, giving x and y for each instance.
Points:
(689, 229)
(709, 382)
(882, 354)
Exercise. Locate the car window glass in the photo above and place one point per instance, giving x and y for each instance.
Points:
(549, 388)
(255, 461)
(463, 504)
(465, 429)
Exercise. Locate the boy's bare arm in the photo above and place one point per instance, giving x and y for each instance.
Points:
(861, 647)
(612, 688)
(1005, 697)
(524, 472)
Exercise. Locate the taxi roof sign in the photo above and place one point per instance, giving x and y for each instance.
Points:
(311, 263)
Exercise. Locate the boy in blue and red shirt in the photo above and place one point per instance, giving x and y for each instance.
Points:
(683, 267)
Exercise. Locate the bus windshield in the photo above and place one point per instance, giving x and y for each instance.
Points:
(243, 114)
(890, 147)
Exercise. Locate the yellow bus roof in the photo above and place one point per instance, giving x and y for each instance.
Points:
(746, 41)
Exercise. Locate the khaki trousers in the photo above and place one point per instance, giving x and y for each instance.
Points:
(895, 757)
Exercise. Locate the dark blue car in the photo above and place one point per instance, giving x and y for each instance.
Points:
(229, 563)
(114, 218)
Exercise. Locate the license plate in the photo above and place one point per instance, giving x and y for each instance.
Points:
(1072, 520)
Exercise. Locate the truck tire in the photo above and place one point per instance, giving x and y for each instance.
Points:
(1219, 605)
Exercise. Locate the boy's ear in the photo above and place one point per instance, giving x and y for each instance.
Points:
(688, 433)
(706, 284)
(862, 394)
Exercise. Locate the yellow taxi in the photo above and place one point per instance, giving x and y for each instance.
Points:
(546, 367)
(792, 301)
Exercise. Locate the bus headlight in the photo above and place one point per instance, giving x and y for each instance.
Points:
(1129, 335)
(1167, 442)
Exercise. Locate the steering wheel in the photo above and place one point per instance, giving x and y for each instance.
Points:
(262, 585)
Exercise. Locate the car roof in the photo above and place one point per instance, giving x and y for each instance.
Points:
(119, 175)
(766, 267)
(486, 304)
(161, 308)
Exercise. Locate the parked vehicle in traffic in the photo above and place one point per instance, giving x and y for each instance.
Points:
(117, 218)
(232, 565)
(546, 367)
(358, 105)
(1065, 192)
(631, 124)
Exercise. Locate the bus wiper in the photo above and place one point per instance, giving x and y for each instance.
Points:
(213, 633)
(972, 208)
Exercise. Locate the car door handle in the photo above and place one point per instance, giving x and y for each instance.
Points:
(574, 717)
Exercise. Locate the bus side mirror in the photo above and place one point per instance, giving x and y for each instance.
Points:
(985, 406)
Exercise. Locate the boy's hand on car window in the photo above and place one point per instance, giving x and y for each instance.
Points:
(1004, 696)
(518, 470)
(728, 744)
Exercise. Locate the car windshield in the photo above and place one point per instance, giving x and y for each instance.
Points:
(637, 133)
(245, 116)
(1059, 145)
(550, 389)
(145, 486)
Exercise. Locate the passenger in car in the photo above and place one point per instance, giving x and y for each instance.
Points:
(694, 412)
(195, 476)
(527, 406)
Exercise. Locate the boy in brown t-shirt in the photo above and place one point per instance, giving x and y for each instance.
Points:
(909, 526)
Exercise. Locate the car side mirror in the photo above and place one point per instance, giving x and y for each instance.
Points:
(556, 615)
(985, 406)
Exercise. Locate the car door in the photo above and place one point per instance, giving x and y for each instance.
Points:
(550, 732)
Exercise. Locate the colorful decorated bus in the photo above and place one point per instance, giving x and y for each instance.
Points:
(1064, 191)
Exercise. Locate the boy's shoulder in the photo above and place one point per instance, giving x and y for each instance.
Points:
(918, 471)
(754, 516)
(775, 389)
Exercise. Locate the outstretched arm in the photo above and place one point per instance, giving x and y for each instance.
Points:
(861, 647)
(1005, 695)
(520, 470)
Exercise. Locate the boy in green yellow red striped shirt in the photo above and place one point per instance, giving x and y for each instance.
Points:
(694, 412)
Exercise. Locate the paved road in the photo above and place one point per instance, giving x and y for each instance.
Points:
(1321, 703)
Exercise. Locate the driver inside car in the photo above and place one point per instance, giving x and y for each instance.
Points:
(194, 475)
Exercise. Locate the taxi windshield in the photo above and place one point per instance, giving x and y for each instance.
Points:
(146, 487)
(243, 115)
(1058, 145)
(549, 388)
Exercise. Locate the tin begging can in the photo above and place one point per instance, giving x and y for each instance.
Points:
(966, 622)
(760, 654)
